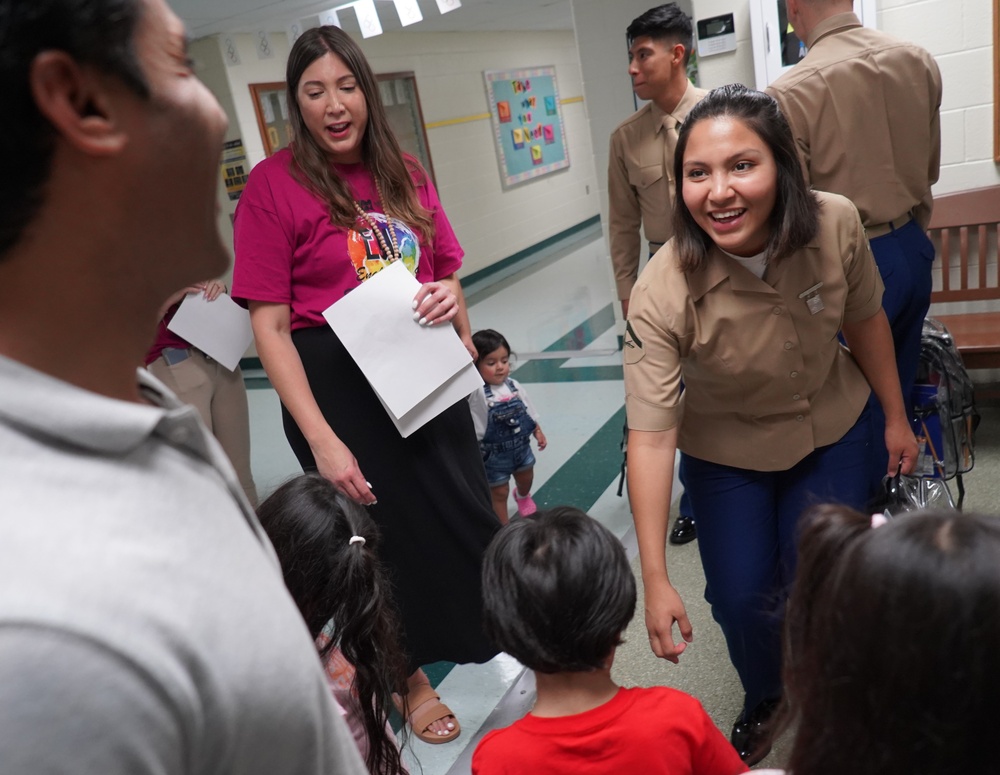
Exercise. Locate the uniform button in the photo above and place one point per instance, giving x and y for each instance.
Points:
(796, 397)
(788, 345)
(794, 374)
(799, 418)
(777, 310)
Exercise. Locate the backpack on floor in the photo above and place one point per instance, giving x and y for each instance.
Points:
(944, 409)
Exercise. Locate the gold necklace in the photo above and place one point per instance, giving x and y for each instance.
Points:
(394, 254)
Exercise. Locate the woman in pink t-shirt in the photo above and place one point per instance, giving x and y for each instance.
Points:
(314, 222)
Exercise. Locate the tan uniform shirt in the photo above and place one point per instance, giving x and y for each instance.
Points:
(864, 109)
(641, 184)
(766, 380)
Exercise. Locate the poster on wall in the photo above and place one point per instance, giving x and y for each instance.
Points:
(234, 168)
(527, 123)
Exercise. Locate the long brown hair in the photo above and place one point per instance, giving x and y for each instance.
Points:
(380, 151)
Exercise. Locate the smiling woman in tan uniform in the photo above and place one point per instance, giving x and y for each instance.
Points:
(744, 304)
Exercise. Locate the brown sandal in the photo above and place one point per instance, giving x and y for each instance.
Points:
(429, 709)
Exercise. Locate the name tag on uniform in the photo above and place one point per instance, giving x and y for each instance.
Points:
(812, 299)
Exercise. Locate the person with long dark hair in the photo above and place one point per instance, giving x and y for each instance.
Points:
(314, 222)
(891, 645)
(328, 550)
(744, 305)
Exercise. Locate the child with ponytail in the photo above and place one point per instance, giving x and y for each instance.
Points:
(326, 545)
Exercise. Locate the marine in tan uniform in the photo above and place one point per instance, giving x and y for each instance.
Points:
(641, 161)
(744, 304)
(864, 110)
(641, 164)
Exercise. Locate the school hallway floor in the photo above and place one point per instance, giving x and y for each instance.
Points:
(556, 313)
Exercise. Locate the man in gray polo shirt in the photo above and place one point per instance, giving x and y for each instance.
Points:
(144, 627)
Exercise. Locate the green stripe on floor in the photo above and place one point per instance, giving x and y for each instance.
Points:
(551, 370)
(582, 479)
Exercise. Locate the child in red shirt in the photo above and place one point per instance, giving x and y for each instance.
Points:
(558, 593)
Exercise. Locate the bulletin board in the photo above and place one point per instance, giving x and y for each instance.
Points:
(528, 129)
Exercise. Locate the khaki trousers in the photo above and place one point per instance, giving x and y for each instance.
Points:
(220, 397)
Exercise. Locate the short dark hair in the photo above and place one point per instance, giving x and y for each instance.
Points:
(892, 638)
(558, 591)
(664, 22)
(795, 217)
(94, 32)
(486, 341)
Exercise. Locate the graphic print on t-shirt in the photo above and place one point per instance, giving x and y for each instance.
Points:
(366, 253)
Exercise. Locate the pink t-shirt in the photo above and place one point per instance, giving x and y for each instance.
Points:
(288, 251)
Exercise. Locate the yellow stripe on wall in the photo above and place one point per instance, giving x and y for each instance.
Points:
(453, 121)
(482, 116)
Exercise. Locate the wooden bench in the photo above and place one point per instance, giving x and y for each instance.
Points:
(965, 228)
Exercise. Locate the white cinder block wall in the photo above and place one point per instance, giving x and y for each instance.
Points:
(491, 223)
(959, 33)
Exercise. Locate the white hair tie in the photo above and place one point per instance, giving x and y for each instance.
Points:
(877, 520)
(356, 540)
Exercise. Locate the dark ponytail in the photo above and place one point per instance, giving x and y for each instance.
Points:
(342, 584)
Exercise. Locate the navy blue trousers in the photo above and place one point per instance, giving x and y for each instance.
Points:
(747, 531)
(904, 257)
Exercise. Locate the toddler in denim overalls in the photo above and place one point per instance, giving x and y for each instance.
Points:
(505, 420)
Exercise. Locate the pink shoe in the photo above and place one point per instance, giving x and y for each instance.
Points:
(525, 504)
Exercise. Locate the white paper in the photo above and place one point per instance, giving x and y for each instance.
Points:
(458, 388)
(368, 18)
(404, 362)
(264, 48)
(220, 329)
(409, 11)
(330, 18)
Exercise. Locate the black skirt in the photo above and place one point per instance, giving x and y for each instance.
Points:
(433, 510)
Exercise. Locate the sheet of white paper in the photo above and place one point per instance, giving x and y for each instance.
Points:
(404, 362)
(220, 329)
(455, 389)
